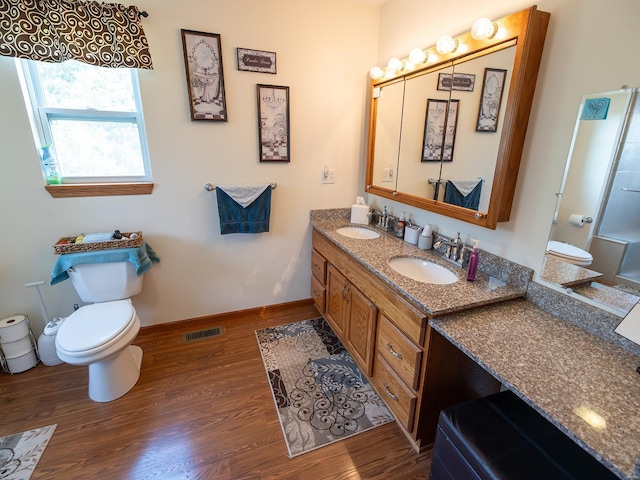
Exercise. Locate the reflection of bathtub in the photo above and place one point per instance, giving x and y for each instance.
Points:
(617, 259)
(630, 268)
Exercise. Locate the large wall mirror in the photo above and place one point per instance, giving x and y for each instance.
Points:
(594, 241)
(460, 117)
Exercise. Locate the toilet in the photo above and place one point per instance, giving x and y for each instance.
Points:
(569, 253)
(99, 335)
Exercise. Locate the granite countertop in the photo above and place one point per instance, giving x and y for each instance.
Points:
(566, 274)
(587, 387)
(436, 300)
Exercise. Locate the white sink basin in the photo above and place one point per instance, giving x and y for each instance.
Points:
(359, 233)
(422, 270)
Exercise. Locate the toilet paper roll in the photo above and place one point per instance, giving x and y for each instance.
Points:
(22, 363)
(13, 328)
(17, 348)
(577, 220)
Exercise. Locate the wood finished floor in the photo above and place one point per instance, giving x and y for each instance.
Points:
(201, 410)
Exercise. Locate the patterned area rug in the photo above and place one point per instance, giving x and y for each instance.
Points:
(20, 453)
(320, 394)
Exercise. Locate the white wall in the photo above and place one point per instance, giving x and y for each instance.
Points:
(590, 47)
(324, 51)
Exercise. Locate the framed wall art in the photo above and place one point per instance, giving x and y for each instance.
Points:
(462, 82)
(256, 60)
(273, 123)
(490, 99)
(205, 79)
(439, 130)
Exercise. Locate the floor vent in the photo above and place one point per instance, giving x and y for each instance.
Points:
(202, 334)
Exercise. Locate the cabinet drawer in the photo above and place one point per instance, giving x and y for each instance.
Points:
(319, 266)
(318, 293)
(400, 398)
(399, 352)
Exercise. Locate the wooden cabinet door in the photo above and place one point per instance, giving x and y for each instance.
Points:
(361, 329)
(337, 303)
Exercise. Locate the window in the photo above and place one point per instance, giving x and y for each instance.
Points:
(92, 116)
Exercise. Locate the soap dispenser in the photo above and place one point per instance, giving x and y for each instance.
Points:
(473, 261)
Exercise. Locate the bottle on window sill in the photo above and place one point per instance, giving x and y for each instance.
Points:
(50, 166)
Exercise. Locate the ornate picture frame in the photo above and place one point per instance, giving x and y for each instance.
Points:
(273, 123)
(490, 99)
(256, 60)
(440, 126)
(462, 82)
(205, 78)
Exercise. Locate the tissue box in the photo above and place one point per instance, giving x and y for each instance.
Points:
(360, 214)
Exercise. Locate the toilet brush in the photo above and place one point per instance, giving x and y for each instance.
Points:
(47, 340)
(43, 308)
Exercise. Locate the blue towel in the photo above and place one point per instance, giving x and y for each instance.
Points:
(236, 219)
(453, 196)
(142, 257)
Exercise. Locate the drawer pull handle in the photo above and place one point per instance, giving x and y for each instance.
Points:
(386, 387)
(393, 352)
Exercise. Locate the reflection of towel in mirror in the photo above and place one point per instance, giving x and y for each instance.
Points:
(463, 193)
(142, 257)
(244, 209)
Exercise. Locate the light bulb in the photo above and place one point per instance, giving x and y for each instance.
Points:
(394, 65)
(483, 29)
(417, 56)
(376, 73)
(446, 44)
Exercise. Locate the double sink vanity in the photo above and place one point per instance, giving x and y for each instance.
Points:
(436, 340)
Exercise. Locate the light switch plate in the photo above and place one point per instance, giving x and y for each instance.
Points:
(329, 175)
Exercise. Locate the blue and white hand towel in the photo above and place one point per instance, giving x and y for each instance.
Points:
(244, 209)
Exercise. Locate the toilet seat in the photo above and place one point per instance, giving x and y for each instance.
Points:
(96, 327)
(570, 253)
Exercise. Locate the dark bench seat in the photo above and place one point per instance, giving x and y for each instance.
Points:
(501, 437)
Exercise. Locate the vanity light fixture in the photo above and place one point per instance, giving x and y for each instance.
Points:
(418, 56)
(376, 73)
(483, 29)
(394, 65)
(446, 44)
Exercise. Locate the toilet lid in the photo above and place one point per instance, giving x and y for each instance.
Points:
(568, 251)
(94, 325)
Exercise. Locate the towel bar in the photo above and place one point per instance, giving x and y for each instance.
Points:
(210, 188)
(431, 181)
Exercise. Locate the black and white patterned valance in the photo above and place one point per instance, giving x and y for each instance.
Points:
(101, 34)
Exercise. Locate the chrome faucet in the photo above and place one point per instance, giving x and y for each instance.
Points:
(454, 251)
(385, 221)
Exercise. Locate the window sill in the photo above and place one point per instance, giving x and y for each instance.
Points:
(99, 189)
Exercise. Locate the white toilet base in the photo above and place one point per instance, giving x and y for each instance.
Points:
(114, 376)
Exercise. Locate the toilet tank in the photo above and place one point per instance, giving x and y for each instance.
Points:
(103, 282)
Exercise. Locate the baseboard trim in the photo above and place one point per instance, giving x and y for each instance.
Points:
(219, 317)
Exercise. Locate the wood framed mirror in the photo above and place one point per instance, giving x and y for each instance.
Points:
(399, 118)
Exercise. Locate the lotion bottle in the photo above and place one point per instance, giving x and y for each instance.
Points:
(402, 221)
(473, 261)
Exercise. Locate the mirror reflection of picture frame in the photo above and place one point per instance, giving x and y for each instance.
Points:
(273, 123)
(205, 79)
(491, 99)
(450, 131)
(439, 130)
(463, 82)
